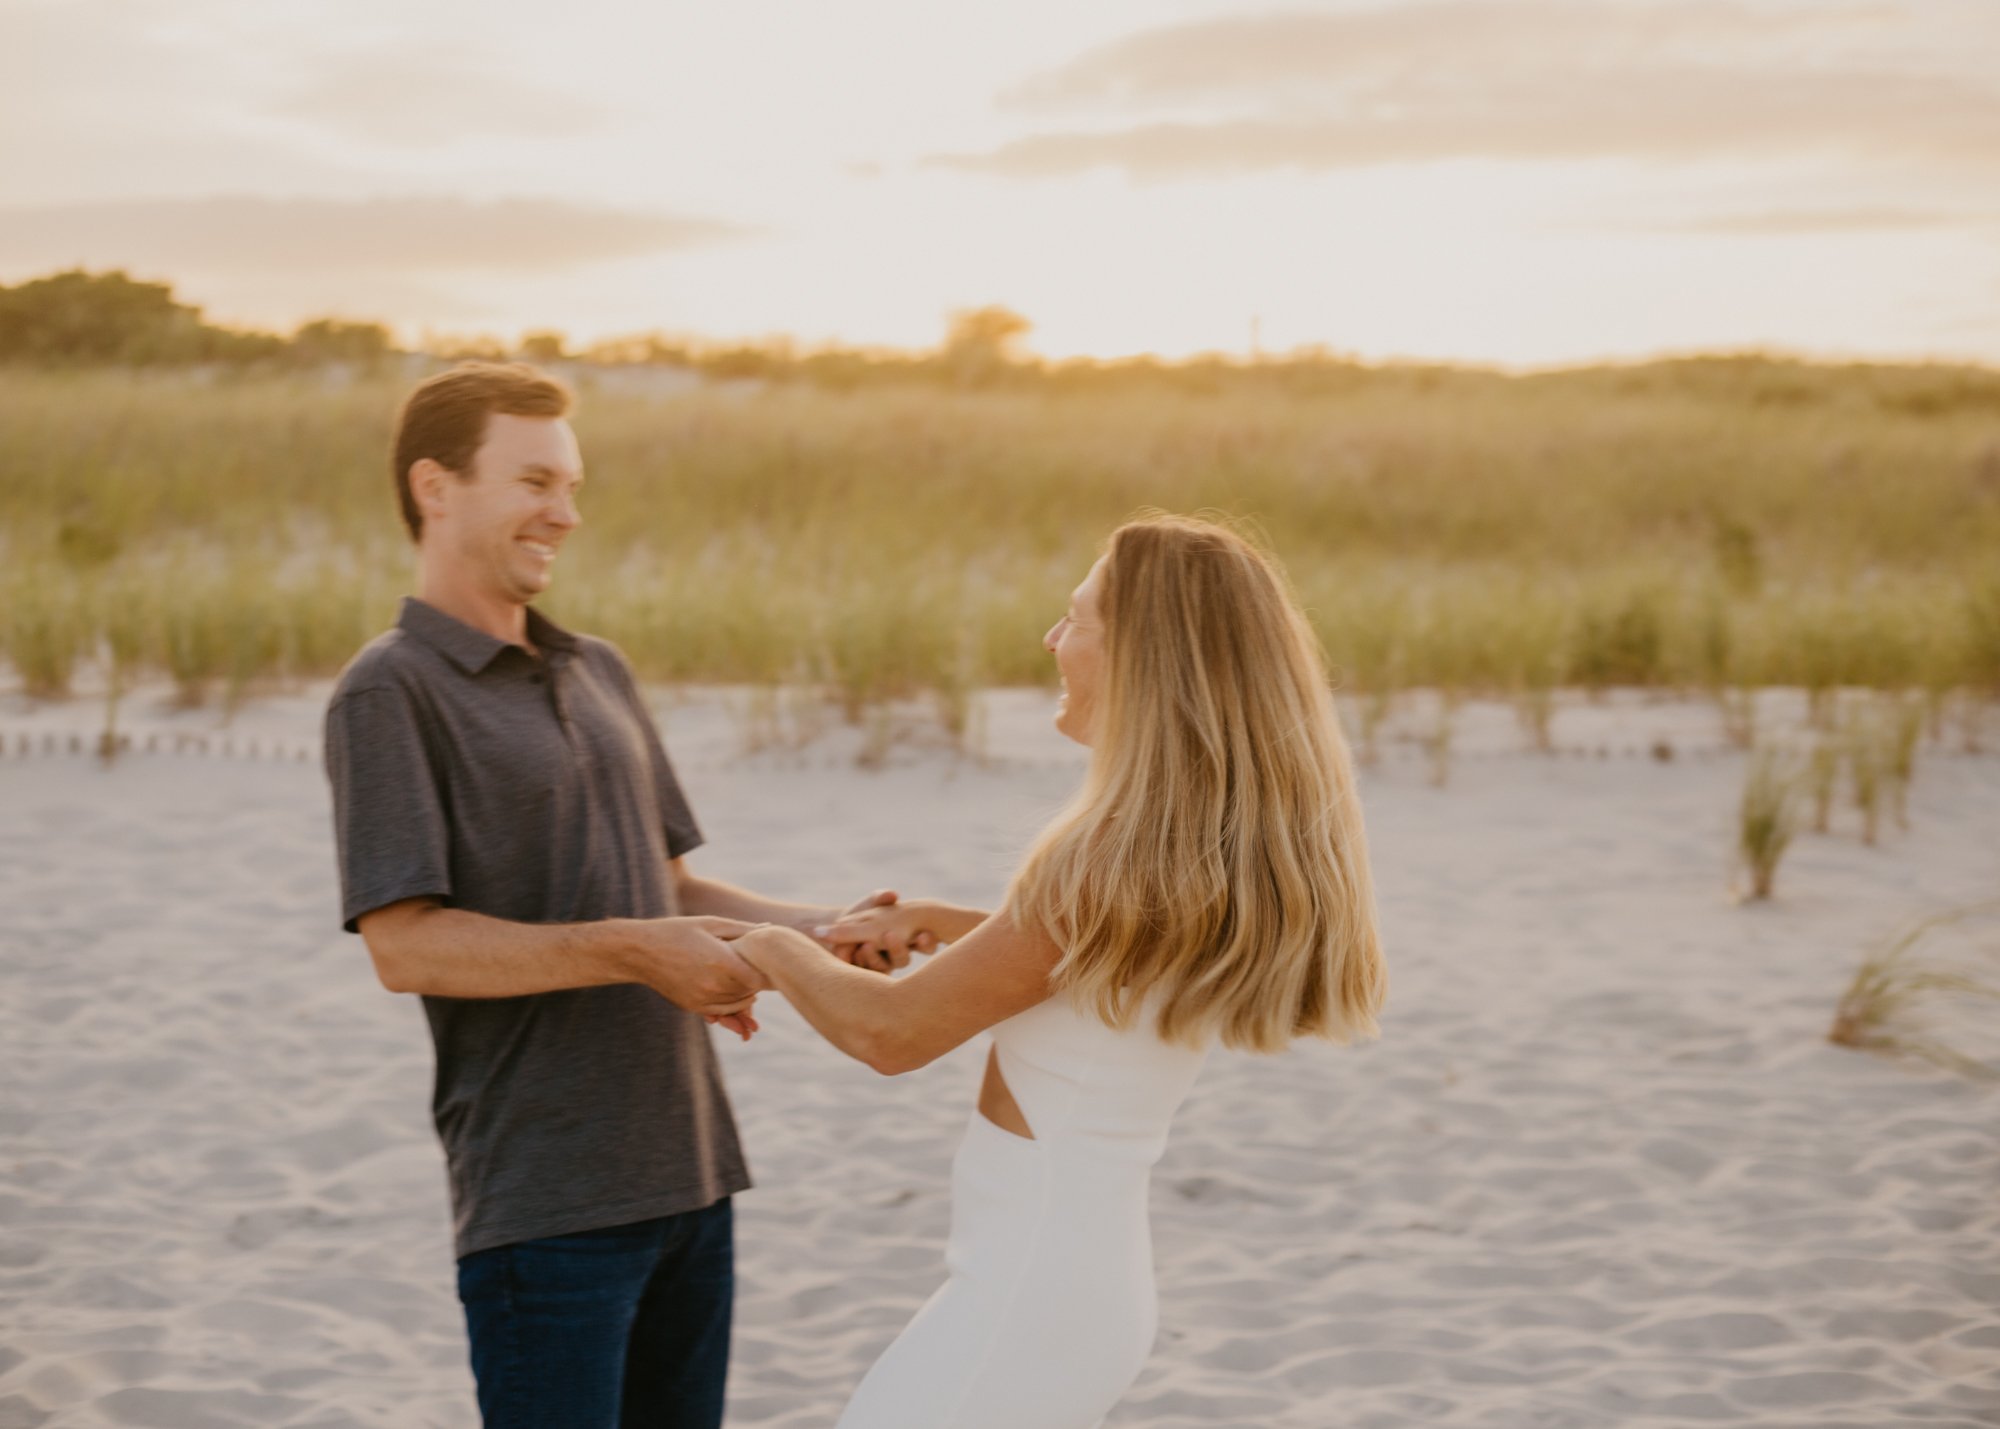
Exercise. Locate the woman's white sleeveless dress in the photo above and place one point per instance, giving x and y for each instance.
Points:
(1049, 1311)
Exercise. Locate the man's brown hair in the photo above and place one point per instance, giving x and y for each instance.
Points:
(445, 419)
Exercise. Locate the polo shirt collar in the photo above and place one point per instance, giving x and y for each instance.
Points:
(473, 650)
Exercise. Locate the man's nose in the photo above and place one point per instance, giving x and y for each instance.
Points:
(1049, 640)
(564, 512)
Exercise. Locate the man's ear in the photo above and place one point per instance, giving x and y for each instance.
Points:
(428, 477)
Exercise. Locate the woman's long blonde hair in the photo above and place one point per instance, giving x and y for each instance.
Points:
(1215, 853)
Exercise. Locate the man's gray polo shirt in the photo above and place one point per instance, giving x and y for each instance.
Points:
(536, 790)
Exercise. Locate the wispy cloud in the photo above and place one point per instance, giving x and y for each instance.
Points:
(1791, 222)
(431, 98)
(1542, 79)
(1302, 53)
(379, 235)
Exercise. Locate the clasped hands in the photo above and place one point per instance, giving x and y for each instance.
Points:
(877, 933)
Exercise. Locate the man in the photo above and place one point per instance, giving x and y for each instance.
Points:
(512, 845)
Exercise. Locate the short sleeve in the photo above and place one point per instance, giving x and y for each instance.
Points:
(388, 807)
(677, 821)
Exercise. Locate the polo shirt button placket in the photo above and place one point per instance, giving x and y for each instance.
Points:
(554, 678)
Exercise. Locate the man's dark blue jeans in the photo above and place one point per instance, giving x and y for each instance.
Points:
(623, 1328)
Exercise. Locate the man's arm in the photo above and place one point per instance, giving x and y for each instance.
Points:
(420, 946)
(713, 898)
(716, 899)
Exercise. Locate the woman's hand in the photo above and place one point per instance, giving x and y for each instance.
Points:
(883, 938)
(743, 1024)
(860, 952)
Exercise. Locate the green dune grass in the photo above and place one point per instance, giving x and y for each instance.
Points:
(1459, 531)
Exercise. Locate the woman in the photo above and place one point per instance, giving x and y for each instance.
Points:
(1209, 882)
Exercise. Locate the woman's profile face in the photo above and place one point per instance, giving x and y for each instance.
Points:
(1077, 642)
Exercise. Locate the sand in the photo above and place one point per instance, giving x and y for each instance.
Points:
(1602, 1168)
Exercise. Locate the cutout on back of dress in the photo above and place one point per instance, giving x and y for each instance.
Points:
(996, 1100)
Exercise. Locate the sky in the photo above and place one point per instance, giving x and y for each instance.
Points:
(1520, 182)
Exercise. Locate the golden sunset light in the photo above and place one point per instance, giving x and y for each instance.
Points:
(1547, 181)
(934, 714)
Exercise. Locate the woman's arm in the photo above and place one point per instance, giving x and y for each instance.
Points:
(898, 1025)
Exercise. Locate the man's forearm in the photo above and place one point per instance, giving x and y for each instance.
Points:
(715, 899)
(449, 952)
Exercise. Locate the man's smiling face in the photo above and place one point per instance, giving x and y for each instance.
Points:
(502, 523)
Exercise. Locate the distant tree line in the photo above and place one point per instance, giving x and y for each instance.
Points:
(78, 318)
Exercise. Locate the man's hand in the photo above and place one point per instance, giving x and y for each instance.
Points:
(862, 954)
(686, 961)
(745, 1021)
(879, 934)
